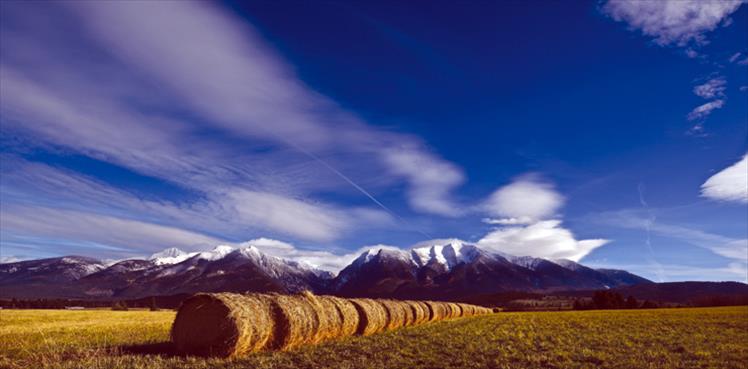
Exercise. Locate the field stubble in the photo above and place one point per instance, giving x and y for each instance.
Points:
(666, 338)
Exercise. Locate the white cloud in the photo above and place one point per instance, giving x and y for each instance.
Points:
(736, 58)
(32, 225)
(673, 21)
(703, 111)
(239, 83)
(545, 239)
(712, 88)
(730, 184)
(523, 210)
(232, 212)
(289, 216)
(431, 180)
(508, 221)
(105, 84)
(527, 197)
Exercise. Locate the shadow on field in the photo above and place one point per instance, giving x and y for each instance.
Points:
(158, 348)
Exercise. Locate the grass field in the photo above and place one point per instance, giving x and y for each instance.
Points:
(666, 338)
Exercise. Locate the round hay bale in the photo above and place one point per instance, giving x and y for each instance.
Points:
(337, 317)
(372, 316)
(454, 310)
(296, 319)
(464, 309)
(441, 309)
(436, 310)
(421, 312)
(348, 315)
(430, 313)
(396, 313)
(468, 310)
(410, 312)
(223, 324)
(330, 321)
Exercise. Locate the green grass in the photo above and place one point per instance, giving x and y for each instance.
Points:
(667, 338)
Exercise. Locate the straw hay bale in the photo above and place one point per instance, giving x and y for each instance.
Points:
(373, 317)
(441, 310)
(348, 315)
(296, 319)
(420, 310)
(468, 310)
(410, 312)
(223, 324)
(430, 310)
(337, 317)
(396, 313)
(454, 310)
(329, 321)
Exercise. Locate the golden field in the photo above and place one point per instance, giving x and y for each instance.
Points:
(664, 338)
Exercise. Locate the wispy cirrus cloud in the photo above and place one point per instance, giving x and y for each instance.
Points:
(681, 23)
(673, 22)
(32, 188)
(229, 121)
(714, 87)
(702, 111)
(738, 58)
(728, 247)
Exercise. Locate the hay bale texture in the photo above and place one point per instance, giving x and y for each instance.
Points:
(373, 316)
(397, 314)
(223, 324)
(228, 324)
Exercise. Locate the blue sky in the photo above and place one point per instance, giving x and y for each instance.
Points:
(613, 132)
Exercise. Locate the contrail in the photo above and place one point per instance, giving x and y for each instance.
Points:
(650, 221)
(354, 184)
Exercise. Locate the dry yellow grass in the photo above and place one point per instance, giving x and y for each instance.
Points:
(623, 339)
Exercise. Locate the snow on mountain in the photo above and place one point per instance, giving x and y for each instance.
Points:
(171, 256)
(82, 266)
(219, 252)
(528, 262)
(568, 264)
(382, 251)
(449, 255)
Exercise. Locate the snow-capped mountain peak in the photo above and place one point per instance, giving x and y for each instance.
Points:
(170, 256)
(219, 252)
(382, 252)
(448, 255)
(251, 252)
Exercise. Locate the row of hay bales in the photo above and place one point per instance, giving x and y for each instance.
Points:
(228, 324)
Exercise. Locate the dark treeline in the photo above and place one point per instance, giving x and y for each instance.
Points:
(615, 300)
(612, 300)
(151, 302)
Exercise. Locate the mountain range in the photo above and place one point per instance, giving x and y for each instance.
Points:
(439, 271)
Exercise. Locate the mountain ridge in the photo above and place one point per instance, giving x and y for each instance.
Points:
(439, 270)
